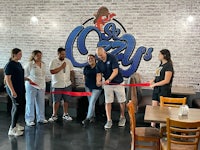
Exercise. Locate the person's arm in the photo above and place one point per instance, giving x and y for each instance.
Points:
(115, 70)
(112, 76)
(10, 85)
(56, 70)
(168, 76)
(27, 69)
(152, 81)
(98, 79)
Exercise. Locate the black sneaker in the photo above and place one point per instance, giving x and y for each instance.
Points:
(85, 122)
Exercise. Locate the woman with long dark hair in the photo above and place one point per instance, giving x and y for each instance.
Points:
(163, 78)
(35, 72)
(14, 77)
(90, 73)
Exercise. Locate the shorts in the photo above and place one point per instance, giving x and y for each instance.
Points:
(60, 97)
(157, 93)
(112, 91)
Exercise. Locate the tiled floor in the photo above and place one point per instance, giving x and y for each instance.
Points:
(63, 135)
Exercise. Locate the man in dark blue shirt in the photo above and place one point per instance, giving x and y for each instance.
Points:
(108, 67)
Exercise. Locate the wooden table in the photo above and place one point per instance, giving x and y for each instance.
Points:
(159, 114)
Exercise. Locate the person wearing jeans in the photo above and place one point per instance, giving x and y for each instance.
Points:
(90, 86)
(35, 87)
(14, 79)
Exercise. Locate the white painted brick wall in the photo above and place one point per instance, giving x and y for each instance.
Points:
(154, 23)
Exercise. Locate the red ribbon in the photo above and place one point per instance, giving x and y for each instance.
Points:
(138, 84)
(72, 93)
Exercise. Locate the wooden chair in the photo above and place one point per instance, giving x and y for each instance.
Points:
(142, 134)
(172, 102)
(181, 135)
(169, 102)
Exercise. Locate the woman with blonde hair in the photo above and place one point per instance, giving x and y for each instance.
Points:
(35, 72)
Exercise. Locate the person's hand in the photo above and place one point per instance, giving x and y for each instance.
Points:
(107, 82)
(14, 94)
(30, 81)
(99, 83)
(152, 85)
(151, 82)
(63, 65)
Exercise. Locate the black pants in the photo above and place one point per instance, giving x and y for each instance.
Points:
(15, 111)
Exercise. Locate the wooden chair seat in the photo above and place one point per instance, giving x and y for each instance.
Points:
(163, 143)
(142, 134)
(147, 132)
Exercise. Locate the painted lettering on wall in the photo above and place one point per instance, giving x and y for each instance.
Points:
(122, 46)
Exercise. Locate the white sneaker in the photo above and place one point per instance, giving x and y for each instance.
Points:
(14, 132)
(43, 121)
(108, 124)
(20, 128)
(67, 117)
(122, 122)
(53, 118)
(30, 123)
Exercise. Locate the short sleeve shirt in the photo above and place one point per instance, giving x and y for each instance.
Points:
(16, 71)
(90, 77)
(36, 74)
(106, 68)
(160, 74)
(62, 78)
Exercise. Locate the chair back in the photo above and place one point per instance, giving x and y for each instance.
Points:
(131, 112)
(172, 102)
(182, 133)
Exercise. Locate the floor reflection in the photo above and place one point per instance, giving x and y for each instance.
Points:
(13, 142)
(34, 137)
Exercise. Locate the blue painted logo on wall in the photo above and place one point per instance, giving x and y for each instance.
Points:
(120, 46)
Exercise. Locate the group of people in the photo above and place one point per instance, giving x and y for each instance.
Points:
(30, 80)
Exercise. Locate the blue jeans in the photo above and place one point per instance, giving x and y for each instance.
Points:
(35, 99)
(92, 101)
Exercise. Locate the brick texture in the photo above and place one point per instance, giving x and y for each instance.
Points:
(154, 23)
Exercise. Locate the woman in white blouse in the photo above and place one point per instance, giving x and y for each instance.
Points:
(35, 89)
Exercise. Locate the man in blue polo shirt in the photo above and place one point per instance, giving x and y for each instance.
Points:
(108, 67)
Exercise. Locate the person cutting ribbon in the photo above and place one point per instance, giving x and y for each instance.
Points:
(108, 67)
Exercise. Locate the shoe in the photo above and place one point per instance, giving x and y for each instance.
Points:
(92, 120)
(122, 122)
(67, 117)
(30, 123)
(14, 132)
(20, 128)
(43, 121)
(85, 122)
(53, 118)
(108, 124)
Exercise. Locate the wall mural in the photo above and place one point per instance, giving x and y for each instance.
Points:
(110, 37)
